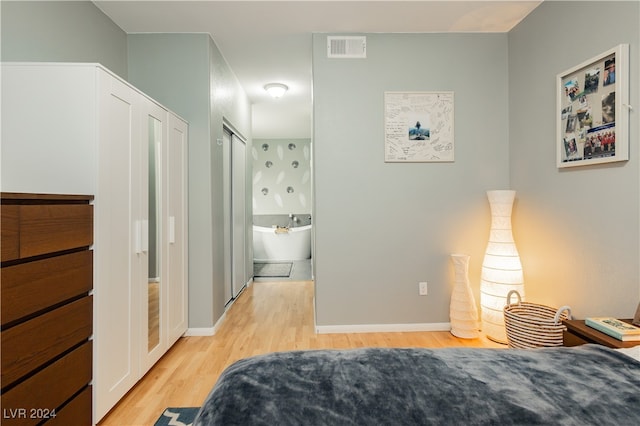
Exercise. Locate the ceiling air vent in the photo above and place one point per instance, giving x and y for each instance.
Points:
(346, 47)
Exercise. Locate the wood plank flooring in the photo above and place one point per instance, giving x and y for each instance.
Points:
(153, 314)
(267, 317)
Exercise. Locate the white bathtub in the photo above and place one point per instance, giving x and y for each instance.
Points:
(271, 246)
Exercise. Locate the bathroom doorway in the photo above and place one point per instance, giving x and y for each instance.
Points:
(282, 221)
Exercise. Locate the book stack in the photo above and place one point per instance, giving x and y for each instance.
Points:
(615, 328)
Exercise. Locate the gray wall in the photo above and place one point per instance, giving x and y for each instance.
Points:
(70, 31)
(181, 71)
(229, 106)
(577, 229)
(383, 227)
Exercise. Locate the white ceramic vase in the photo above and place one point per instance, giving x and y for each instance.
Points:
(463, 312)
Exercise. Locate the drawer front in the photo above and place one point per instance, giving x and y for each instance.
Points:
(31, 344)
(10, 244)
(32, 287)
(76, 412)
(51, 228)
(44, 393)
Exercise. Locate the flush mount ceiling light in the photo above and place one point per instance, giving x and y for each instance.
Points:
(276, 90)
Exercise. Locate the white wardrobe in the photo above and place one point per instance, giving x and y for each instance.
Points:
(79, 129)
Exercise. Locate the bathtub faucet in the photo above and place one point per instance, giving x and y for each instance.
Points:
(292, 220)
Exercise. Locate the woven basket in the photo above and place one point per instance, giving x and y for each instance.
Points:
(530, 325)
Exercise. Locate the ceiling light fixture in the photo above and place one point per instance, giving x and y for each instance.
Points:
(276, 90)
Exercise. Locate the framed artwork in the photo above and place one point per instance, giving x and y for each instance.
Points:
(418, 127)
(593, 110)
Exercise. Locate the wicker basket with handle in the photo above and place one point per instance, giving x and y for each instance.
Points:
(530, 325)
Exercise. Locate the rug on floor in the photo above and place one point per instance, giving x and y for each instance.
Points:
(177, 416)
(278, 270)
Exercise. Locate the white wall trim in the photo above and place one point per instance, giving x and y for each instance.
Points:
(210, 331)
(379, 328)
(202, 331)
(206, 331)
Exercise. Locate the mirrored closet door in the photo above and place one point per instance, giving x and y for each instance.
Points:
(153, 282)
(164, 311)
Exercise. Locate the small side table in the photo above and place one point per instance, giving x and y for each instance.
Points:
(578, 333)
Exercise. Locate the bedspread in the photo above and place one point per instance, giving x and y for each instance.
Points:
(585, 385)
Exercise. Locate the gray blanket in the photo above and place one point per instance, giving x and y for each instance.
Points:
(586, 385)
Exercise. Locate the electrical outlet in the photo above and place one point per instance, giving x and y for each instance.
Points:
(422, 288)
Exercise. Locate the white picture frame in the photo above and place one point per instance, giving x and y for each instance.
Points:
(593, 110)
(419, 127)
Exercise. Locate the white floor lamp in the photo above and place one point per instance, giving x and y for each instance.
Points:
(501, 268)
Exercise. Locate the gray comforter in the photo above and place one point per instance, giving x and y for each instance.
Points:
(586, 385)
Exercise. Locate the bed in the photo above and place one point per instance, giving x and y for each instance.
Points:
(584, 385)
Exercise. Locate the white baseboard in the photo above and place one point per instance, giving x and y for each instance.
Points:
(201, 331)
(210, 331)
(206, 331)
(380, 328)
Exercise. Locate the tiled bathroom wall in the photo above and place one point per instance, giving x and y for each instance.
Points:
(281, 176)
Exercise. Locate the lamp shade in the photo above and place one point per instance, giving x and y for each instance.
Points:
(501, 267)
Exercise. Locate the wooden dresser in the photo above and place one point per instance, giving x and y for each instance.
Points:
(46, 309)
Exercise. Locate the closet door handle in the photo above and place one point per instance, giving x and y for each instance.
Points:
(172, 229)
(144, 237)
(138, 238)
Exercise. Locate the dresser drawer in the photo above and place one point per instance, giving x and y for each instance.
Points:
(10, 246)
(33, 343)
(42, 395)
(31, 287)
(51, 228)
(76, 412)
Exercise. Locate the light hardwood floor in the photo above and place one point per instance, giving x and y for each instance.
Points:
(153, 314)
(267, 317)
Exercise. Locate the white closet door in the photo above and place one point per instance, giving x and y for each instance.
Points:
(117, 325)
(176, 238)
(152, 282)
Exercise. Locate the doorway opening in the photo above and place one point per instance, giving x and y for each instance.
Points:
(282, 221)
